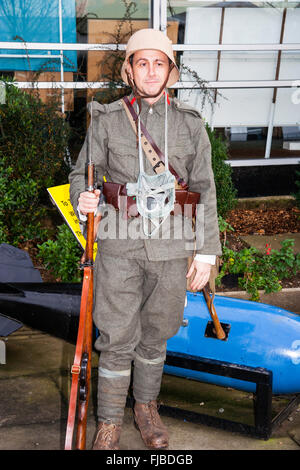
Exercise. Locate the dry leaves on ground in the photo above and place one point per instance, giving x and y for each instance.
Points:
(264, 221)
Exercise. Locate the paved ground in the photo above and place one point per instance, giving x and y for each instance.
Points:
(34, 390)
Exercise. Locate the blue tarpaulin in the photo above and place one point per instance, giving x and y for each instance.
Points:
(37, 21)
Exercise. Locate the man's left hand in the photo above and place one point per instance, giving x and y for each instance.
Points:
(201, 276)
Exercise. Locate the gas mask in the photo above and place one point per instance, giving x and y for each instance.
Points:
(155, 194)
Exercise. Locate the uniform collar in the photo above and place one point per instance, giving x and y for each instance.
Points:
(158, 106)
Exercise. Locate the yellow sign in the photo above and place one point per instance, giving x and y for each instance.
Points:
(60, 195)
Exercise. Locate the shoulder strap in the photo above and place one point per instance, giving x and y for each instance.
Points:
(153, 153)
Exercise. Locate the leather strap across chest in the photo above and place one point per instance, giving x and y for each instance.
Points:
(153, 153)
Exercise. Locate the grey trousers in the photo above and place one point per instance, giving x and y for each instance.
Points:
(138, 306)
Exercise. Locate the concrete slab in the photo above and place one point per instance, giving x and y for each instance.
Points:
(266, 202)
(260, 241)
(34, 390)
(289, 299)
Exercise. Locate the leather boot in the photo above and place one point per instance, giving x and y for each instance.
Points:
(107, 436)
(147, 420)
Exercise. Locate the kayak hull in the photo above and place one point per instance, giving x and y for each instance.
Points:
(259, 336)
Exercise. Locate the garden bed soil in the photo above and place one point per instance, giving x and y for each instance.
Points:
(264, 221)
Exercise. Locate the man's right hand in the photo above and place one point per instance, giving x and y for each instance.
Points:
(88, 201)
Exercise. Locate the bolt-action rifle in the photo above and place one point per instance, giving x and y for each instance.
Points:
(81, 368)
(220, 333)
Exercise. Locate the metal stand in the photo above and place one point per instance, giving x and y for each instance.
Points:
(263, 422)
(2, 352)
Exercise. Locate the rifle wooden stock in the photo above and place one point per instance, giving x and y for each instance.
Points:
(81, 369)
(217, 325)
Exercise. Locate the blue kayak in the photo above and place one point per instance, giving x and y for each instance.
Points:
(259, 336)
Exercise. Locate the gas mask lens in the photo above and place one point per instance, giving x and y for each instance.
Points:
(151, 203)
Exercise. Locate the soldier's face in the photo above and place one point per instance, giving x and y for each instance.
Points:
(149, 70)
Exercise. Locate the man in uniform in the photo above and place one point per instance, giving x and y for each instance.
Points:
(140, 282)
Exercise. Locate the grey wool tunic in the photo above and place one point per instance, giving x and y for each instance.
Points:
(115, 154)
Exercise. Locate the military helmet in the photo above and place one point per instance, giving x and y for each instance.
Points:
(150, 39)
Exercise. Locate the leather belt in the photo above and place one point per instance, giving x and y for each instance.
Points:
(116, 195)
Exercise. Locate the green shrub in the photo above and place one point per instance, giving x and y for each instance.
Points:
(20, 213)
(33, 138)
(285, 262)
(62, 255)
(226, 193)
(260, 270)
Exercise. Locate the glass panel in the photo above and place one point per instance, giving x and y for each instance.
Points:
(243, 114)
(246, 142)
(112, 9)
(37, 21)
